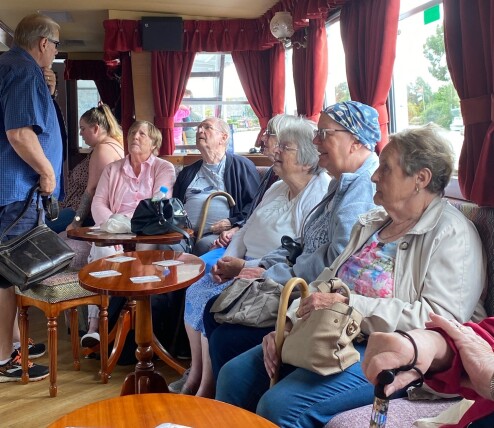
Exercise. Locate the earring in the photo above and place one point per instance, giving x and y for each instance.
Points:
(417, 188)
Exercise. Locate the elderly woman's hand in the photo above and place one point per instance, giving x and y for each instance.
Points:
(220, 226)
(476, 354)
(225, 237)
(318, 301)
(226, 268)
(271, 360)
(251, 273)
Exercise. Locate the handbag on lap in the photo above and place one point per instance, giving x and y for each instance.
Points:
(323, 342)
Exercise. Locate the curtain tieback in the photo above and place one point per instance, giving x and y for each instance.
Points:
(163, 122)
(382, 110)
(477, 109)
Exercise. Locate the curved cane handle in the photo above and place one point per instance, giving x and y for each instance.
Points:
(205, 210)
(281, 320)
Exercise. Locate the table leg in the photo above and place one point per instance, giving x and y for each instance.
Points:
(145, 379)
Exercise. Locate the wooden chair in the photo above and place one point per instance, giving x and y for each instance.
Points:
(53, 295)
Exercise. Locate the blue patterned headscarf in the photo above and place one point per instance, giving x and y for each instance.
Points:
(360, 119)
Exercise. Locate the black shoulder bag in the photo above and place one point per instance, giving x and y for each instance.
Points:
(34, 255)
(160, 217)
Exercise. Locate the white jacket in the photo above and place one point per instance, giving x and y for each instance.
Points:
(440, 267)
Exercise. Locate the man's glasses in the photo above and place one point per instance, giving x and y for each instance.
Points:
(55, 42)
(282, 147)
(205, 190)
(325, 132)
(208, 127)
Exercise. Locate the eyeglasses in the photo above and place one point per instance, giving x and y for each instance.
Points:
(282, 147)
(55, 42)
(205, 190)
(208, 127)
(323, 133)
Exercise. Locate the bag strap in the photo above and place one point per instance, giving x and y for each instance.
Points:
(281, 320)
(30, 195)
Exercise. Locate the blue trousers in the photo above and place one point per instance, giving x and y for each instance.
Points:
(300, 399)
(227, 341)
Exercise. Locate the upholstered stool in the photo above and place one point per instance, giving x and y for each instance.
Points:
(53, 295)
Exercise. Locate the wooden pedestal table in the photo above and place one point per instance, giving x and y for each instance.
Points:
(144, 379)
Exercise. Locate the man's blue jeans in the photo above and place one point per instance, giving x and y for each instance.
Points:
(300, 399)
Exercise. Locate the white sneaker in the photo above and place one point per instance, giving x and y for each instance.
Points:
(90, 340)
(176, 386)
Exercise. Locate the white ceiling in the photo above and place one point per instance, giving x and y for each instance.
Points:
(87, 15)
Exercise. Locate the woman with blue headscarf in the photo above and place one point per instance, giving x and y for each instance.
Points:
(414, 255)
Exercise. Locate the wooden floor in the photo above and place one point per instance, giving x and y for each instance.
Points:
(30, 406)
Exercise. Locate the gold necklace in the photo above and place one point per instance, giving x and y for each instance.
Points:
(398, 234)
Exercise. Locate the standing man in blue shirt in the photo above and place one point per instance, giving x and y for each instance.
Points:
(30, 152)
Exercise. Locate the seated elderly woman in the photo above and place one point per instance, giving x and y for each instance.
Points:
(455, 359)
(217, 170)
(281, 212)
(123, 184)
(415, 255)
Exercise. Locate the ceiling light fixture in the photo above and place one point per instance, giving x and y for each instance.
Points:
(281, 27)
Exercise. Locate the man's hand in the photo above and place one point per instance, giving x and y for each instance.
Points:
(226, 268)
(50, 79)
(220, 226)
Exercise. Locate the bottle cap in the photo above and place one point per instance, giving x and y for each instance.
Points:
(164, 189)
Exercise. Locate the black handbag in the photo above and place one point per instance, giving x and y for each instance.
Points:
(34, 255)
(160, 217)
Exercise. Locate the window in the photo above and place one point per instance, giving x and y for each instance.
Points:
(87, 97)
(214, 89)
(337, 85)
(422, 87)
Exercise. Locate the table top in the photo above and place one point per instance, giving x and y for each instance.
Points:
(171, 278)
(105, 238)
(151, 410)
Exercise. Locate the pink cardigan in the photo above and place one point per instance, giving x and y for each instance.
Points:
(114, 183)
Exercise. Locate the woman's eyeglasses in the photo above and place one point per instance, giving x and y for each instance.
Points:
(282, 147)
(268, 134)
(323, 133)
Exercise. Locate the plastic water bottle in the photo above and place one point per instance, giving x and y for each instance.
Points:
(161, 194)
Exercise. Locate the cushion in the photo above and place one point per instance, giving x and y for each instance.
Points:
(60, 287)
(402, 413)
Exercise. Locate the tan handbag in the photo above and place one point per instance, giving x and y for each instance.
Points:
(323, 342)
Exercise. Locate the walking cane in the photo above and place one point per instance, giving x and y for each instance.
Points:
(379, 413)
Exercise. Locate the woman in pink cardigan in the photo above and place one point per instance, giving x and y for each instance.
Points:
(122, 185)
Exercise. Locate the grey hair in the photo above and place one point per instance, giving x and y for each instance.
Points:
(425, 147)
(32, 27)
(221, 125)
(299, 131)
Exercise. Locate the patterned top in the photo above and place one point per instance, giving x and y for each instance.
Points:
(76, 184)
(370, 271)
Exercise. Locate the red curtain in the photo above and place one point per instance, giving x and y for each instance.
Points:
(469, 41)
(370, 53)
(169, 74)
(262, 75)
(310, 70)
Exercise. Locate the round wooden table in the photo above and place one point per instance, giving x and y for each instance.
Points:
(151, 410)
(127, 240)
(144, 379)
